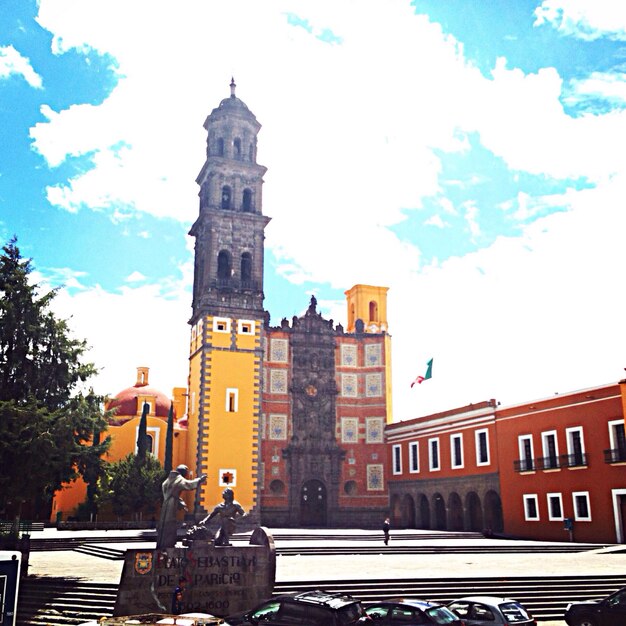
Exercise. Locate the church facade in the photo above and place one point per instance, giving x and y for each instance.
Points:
(291, 417)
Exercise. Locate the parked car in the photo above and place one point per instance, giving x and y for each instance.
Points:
(410, 612)
(609, 611)
(308, 608)
(492, 610)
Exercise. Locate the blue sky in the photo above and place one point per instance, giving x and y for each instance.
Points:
(468, 155)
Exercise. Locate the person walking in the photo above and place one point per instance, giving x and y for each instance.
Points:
(386, 527)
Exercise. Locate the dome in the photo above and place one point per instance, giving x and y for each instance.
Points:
(127, 402)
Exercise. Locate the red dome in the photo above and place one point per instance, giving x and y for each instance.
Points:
(126, 402)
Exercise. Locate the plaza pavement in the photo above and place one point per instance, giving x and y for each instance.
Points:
(603, 560)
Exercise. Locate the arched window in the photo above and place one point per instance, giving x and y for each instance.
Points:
(223, 265)
(237, 148)
(246, 267)
(373, 311)
(251, 152)
(220, 147)
(247, 201)
(226, 196)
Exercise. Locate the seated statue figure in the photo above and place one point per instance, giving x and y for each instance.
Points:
(226, 512)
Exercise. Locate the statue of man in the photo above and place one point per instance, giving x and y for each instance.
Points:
(226, 512)
(172, 487)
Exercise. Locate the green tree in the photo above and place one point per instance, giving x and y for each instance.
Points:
(46, 427)
(169, 441)
(132, 486)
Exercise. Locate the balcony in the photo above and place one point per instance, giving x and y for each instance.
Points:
(615, 455)
(578, 459)
(228, 284)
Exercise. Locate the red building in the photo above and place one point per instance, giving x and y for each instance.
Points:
(444, 470)
(550, 469)
(563, 466)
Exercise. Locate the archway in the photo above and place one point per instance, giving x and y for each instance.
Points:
(408, 511)
(474, 510)
(424, 512)
(313, 503)
(396, 510)
(439, 505)
(455, 512)
(493, 512)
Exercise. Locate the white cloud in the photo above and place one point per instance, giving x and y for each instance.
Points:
(138, 326)
(353, 135)
(583, 19)
(12, 63)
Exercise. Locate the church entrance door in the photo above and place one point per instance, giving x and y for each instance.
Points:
(313, 504)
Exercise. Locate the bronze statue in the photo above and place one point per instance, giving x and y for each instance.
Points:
(172, 487)
(226, 512)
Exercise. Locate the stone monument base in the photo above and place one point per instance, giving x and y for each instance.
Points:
(220, 580)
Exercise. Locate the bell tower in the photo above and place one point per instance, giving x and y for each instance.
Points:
(225, 359)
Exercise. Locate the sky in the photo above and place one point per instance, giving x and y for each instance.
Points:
(468, 155)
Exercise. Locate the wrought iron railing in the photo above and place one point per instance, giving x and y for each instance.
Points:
(615, 455)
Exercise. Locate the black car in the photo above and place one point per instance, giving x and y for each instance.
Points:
(610, 611)
(308, 608)
(410, 612)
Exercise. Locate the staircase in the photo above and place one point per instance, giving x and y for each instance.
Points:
(48, 600)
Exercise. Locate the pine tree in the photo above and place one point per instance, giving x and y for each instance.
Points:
(46, 428)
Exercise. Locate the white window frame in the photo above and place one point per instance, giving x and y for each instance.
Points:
(570, 441)
(522, 452)
(232, 392)
(414, 457)
(454, 462)
(545, 448)
(581, 494)
(242, 324)
(432, 457)
(477, 435)
(153, 432)
(612, 438)
(396, 459)
(531, 497)
(221, 325)
(549, 498)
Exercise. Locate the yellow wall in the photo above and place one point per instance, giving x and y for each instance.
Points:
(358, 299)
(229, 438)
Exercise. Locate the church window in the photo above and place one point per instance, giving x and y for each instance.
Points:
(221, 325)
(227, 477)
(247, 201)
(237, 148)
(246, 269)
(277, 487)
(224, 270)
(373, 311)
(251, 152)
(232, 400)
(220, 147)
(226, 197)
(245, 327)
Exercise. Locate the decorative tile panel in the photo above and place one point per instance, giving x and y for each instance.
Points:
(374, 427)
(348, 355)
(375, 478)
(373, 385)
(372, 355)
(278, 427)
(278, 381)
(349, 385)
(349, 430)
(279, 350)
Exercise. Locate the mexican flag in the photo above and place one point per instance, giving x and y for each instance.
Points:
(429, 374)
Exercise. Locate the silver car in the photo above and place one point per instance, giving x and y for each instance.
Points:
(491, 611)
